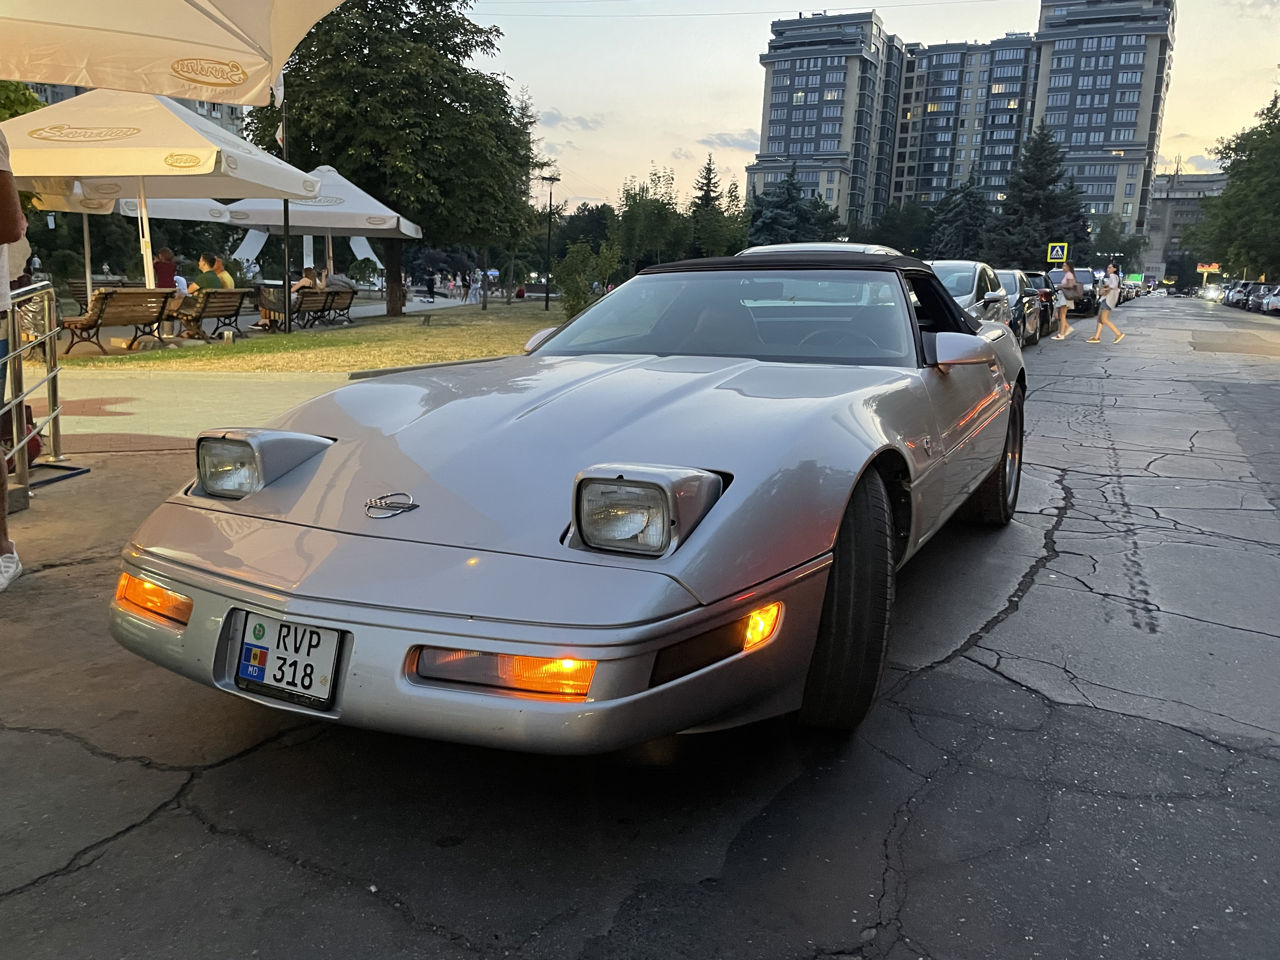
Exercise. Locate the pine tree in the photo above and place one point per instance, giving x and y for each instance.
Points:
(960, 223)
(1041, 206)
(709, 227)
(784, 215)
(706, 189)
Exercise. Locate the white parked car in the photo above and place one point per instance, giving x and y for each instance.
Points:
(976, 288)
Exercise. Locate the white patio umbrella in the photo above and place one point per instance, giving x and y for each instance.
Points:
(117, 145)
(228, 51)
(340, 209)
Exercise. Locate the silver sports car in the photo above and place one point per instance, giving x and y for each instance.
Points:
(684, 509)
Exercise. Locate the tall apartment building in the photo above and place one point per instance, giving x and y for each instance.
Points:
(832, 89)
(1097, 72)
(965, 110)
(1104, 77)
(1175, 208)
(228, 116)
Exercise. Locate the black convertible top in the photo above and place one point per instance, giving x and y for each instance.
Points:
(798, 260)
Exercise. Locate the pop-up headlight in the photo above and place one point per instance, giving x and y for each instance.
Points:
(235, 463)
(641, 509)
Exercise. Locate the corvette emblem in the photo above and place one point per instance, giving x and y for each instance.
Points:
(389, 505)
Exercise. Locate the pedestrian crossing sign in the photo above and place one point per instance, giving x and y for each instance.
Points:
(1057, 253)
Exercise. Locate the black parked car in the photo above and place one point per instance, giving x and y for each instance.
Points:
(1048, 292)
(1024, 306)
(1088, 301)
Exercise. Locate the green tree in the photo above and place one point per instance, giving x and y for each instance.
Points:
(736, 218)
(783, 214)
(1241, 228)
(16, 99)
(583, 275)
(1112, 245)
(384, 91)
(1041, 206)
(650, 228)
(960, 223)
(907, 227)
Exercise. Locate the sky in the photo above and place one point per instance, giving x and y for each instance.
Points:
(624, 85)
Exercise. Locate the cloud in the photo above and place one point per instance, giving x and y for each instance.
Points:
(1201, 164)
(680, 153)
(748, 140)
(557, 149)
(554, 118)
(1182, 136)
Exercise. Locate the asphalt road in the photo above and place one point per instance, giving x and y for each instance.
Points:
(1076, 755)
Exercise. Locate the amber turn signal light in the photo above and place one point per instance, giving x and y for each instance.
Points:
(152, 600)
(565, 677)
(762, 624)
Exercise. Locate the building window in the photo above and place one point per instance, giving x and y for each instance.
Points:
(1129, 189)
(1122, 133)
(1135, 170)
(1129, 76)
(1095, 138)
(1059, 45)
(1134, 40)
(836, 76)
(775, 146)
(1132, 58)
(778, 113)
(830, 128)
(830, 194)
(833, 95)
(1107, 43)
(1085, 83)
(831, 176)
(781, 80)
(782, 65)
(797, 98)
(777, 130)
(833, 110)
(1126, 116)
(1101, 99)
(1066, 63)
(1059, 99)
(807, 148)
(1099, 119)
(1056, 119)
(1128, 96)
(826, 146)
(1106, 63)
(1061, 80)
(1077, 139)
(779, 97)
(1089, 44)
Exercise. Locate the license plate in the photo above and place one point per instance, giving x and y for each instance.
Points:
(291, 661)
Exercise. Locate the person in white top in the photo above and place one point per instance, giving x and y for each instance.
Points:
(1062, 303)
(13, 227)
(1110, 284)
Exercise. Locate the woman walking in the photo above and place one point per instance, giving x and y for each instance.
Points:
(1111, 284)
(1062, 302)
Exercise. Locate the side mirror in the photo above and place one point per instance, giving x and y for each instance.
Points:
(1031, 292)
(994, 296)
(537, 339)
(962, 350)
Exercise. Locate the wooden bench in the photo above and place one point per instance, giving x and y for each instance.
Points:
(340, 306)
(310, 307)
(222, 305)
(144, 310)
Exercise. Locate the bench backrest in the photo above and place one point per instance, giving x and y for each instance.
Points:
(312, 300)
(342, 299)
(131, 306)
(219, 303)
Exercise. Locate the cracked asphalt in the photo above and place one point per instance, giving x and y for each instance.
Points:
(1076, 754)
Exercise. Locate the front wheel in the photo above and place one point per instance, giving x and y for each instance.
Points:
(848, 657)
(995, 501)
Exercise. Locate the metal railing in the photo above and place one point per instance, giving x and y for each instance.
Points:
(31, 325)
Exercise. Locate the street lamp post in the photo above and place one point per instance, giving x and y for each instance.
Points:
(551, 185)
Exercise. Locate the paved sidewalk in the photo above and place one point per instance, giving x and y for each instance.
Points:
(106, 411)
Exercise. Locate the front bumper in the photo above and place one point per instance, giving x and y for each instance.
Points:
(376, 685)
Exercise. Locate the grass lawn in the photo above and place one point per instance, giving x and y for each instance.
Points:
(456, 333)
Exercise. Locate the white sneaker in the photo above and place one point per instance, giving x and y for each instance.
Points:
(10, 569)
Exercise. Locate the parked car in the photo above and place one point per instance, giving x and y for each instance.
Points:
(976, 288)
(1271, 304)
(1087, 302)
(685, 507)
(1024, 306)
(1258, 293)
(1239, 294)
(1047, 293)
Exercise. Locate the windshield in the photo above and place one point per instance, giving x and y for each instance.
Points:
(958, 280)
(802, 316)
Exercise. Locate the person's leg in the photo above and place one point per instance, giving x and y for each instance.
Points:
(9, 565)
(1106, 321)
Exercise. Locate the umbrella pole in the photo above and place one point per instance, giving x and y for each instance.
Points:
(144, 226)
(286, 293)
(328, 251)
(88, 262)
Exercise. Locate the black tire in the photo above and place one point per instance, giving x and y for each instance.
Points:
(996, 500)
(849, 655)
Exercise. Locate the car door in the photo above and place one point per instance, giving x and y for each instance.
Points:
(969, 402)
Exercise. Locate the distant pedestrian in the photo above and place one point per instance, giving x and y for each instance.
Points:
(1111, 284)
(466, 287)
(1068, 291)
(165, 268)
(431, 286)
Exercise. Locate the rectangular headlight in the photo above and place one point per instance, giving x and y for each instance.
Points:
(228, 468)
(623, 515)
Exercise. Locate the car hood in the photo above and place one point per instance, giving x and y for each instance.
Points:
(490, 450)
